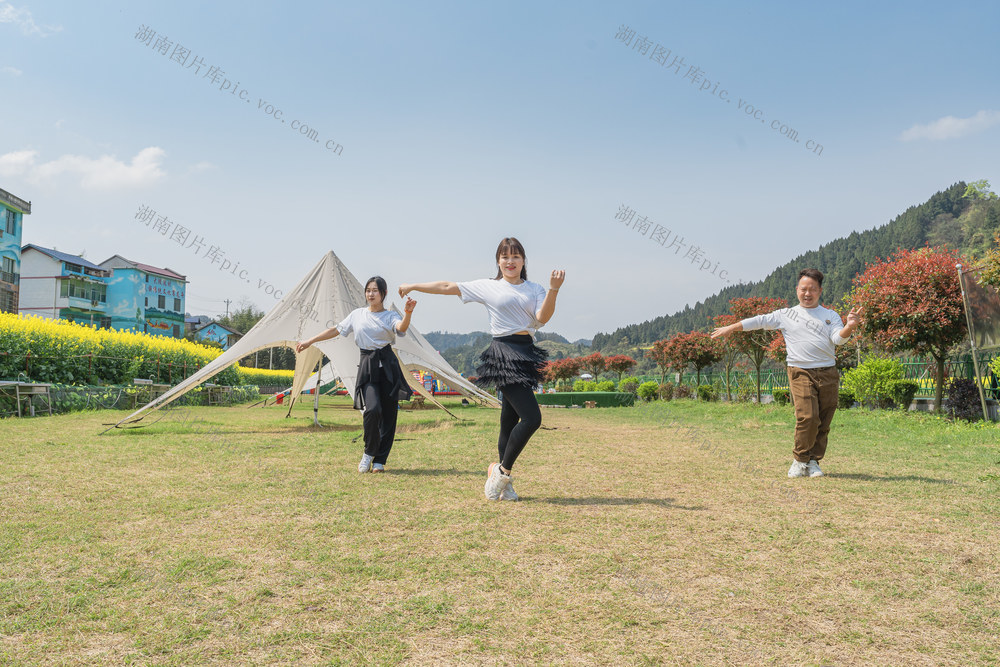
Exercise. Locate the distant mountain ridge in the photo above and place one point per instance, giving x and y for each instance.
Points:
(946, 218)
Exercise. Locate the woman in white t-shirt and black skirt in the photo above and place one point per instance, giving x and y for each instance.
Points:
(380, 382)
(512, 363)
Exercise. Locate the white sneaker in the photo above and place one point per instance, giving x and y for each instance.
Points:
(366, 463)
(799, 469)
(378, 467)
(508, 493)
(496, 483)
(813, 468)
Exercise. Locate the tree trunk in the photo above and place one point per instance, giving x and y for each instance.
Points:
(939, 383)
(758, 384)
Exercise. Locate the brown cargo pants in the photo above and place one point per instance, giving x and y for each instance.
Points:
(814, 393)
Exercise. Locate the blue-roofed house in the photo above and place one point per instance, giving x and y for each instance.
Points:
(58, 285)
(12, 211)
(218, 333)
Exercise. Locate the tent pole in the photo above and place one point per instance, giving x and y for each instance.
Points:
(972, 341)
(319, 383)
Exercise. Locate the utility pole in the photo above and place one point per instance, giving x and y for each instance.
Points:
(227, 308)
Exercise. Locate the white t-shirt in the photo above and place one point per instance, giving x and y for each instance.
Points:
(512, 308)
(371, 330)
(811, 334)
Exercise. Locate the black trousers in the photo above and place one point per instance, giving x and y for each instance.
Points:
(520, 417)
(379, 417)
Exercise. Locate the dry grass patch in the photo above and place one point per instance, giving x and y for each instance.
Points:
(662, 534)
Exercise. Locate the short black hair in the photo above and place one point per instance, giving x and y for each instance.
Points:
(815, 274)
(379, 283)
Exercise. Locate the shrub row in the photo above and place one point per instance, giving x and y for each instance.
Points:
(604, 399)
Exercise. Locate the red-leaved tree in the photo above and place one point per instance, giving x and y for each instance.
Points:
(754, 344)
(728, 350)
(620, 363)
(594, 363)
(562, 369)
(696, 348)
(913, 301)
(661, 354)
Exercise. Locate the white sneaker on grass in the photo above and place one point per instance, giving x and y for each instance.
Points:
(496, 483)
(798, 469)
(378, 467)
(813, 468)
(508, 493)
(366, 463)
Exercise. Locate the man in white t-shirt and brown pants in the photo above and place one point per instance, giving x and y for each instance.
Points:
(811, 333)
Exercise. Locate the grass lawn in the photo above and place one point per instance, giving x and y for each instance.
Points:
(659, 534)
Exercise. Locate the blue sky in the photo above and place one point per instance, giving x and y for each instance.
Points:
(461, 123)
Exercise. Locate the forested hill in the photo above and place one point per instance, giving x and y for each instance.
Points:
(947, 217)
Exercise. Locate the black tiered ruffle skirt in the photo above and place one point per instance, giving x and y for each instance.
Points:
(512, 360)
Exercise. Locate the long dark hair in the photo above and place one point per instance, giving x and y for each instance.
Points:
(511, 246)
(380, 284)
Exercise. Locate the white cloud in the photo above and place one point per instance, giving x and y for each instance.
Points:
(950, 127)
(102, 173)
(13, 71)
(23, 19)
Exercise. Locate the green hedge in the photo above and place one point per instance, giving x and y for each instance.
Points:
(604, 399)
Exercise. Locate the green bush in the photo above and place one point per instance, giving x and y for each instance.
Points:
(648, 390)
(579, 385)
(605, 385)
(683, 391)
(871, 381)
(902, 392)
(781, 396)
(846, 398)
(603, 399)
(666, 391)
(629, 384)
(706, 392)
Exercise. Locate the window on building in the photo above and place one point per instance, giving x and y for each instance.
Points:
(177, 331)
(11, 222)
(161, 302)
(8, 301)
(105, 322)
(147, 302)
(177, 305)
(8, 271)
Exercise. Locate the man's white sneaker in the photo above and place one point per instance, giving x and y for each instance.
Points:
(813, 468)
(496, 483)
(798, 469)
(366, 463)
(378, 467)
(508, 493)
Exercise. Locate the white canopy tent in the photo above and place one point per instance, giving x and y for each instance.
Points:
(321, 300)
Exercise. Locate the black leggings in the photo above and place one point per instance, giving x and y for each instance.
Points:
(381, 410)
(519, 419)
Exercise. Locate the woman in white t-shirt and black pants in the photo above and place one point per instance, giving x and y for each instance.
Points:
(512, 363)
(380, 382)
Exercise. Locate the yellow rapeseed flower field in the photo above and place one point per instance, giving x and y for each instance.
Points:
(47, 350)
